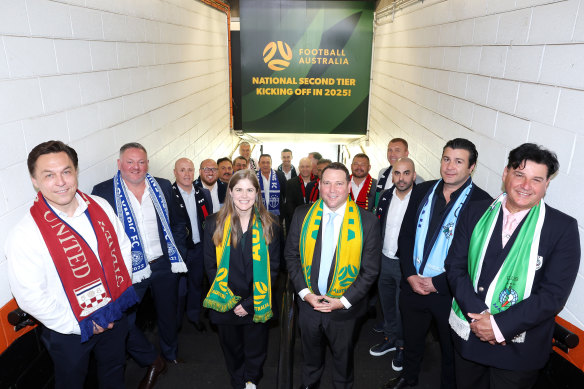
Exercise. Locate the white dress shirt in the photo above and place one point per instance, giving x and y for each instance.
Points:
(357, 188)
(191, 204)
(34, 280)
(214, 196)
(337, 222)
(147, 221)
(266, 191)
(395, 216)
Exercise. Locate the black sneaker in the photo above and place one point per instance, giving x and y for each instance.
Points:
(382, 348)
(397, 363)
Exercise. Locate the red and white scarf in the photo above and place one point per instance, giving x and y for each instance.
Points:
(363, 198)
(98, 293)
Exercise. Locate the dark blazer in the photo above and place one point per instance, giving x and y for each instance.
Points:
(177, 221)
(383, 207)
(294, 198)
(240, 279)
(312, 185)
(559, 249)
(204, 202)
(293, 172)
(356, 294)
(407, 235)
(221, 191)
(371, 196)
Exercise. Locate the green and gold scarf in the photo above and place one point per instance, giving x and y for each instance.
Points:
(349, 247)
(514, 280)
(220, 298)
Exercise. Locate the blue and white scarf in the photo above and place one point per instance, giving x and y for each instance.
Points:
(140, 268)
(435, 263)
(273, 204)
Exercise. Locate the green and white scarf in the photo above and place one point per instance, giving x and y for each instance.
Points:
(514, 280)
(220, 298)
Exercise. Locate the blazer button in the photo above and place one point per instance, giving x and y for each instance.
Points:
(481, 289)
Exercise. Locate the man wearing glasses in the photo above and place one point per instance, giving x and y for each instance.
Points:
(209, 179)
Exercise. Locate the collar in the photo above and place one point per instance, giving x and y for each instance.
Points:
(81, 207)
(326, 210)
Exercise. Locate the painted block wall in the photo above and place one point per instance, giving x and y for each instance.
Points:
(99, 73)
(498, 72)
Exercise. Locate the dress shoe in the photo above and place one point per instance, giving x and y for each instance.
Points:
(398, 383)
(154, 370)
(199, 326)
(174, 361)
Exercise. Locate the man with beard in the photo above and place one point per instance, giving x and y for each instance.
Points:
(225, 169)
(312, 189)
(209, 179)
(195, 204)
(362, 184)
(429, 224)
(296, 188)
(390, 212)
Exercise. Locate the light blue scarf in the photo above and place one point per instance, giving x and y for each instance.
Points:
(273, 204)
(140, 268)
(435, 263)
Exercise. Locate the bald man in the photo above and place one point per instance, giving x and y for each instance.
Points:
(195, 205)
(296, 187)
(209, 179)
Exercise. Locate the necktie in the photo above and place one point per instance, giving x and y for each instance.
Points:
(326, 253)
(508, 228)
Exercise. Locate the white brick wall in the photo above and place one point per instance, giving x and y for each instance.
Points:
(99, 73)
(497, 72)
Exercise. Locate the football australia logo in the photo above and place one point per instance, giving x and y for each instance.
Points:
(282, 60)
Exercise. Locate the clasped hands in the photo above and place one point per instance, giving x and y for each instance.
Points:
(421, 285)
(323, 303)
(481, 326)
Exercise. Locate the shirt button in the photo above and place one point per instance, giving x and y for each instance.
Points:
(481, 289)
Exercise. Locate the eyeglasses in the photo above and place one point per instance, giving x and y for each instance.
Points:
(210, 169)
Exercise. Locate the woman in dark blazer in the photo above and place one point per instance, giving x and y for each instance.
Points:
(242, 256)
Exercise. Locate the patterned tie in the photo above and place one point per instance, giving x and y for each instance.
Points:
(326, 253)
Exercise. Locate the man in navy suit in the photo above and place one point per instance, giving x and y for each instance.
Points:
(511, 268)
(160, 240)
(209, 179)
(195, 204)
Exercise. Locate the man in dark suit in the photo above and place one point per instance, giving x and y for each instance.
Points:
(362, 184)
(209, 179)
(273, 187)
(425, 237)
(154, 224)
(312, 193)
(511, 268)
(331, 281)
(296, 188)
(195, 204)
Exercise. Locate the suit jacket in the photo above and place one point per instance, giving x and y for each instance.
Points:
(205, 202)
(294, 198)
(312, 185)
(176, 219)
(383, 207)
(559, 250)
(371, 196)
(221, 191)
(293, 172)
(407, 235)
(240, 278)
(356, 294)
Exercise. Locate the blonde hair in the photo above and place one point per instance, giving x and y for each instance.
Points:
(228, 209)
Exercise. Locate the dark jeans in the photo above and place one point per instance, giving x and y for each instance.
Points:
(388, 284)
(191, 285)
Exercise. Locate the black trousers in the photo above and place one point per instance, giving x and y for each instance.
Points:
(163, 284)
(417, 314)
(316, 329)
(245, 348)
(71, 357)
(472, 375)
(190, 286)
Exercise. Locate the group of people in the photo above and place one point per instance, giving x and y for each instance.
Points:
(491, 274)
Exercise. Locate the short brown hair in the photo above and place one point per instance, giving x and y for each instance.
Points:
(50, 147)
